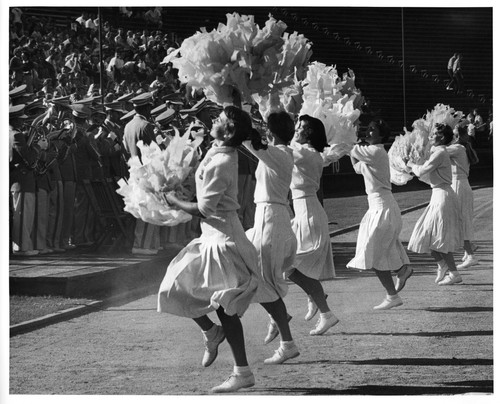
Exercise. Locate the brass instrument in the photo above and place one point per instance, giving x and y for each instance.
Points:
(50, 126)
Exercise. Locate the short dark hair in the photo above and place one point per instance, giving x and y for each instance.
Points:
(445, 131)
(317, 138)
(240, 125)
(281, 124)
(383, 128)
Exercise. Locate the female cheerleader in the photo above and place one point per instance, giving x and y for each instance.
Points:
(439, 229)
(217, 271)
(314, 259)
(378, 246)
(272, 233)
(462, 156)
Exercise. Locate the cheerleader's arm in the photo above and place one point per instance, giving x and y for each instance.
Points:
(429, 166)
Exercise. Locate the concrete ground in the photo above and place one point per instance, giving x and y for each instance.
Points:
(440, 342)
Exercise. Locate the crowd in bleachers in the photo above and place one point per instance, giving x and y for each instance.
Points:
(67, 120)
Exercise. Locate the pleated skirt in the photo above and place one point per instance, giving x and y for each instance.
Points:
(276, 245)
(378, 245)
(440, 226)
(465, 197)
(217, 269)
(314, 256)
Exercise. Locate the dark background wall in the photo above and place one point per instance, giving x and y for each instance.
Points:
(399, 55)
(421, 38)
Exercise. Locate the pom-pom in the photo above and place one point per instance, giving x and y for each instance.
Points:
(413, 147)
(334, 101)
(161, 171)
(240, 56)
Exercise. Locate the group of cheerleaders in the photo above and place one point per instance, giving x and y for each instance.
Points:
(226, 269)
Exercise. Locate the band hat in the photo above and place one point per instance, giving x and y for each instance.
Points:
(176, 96)
(158, 110)
(166, 117)
(114, 106)
(128, 115)
(81, 110)
(17, 111)
(18, 91)
(97, 111)
(195, 108)
(142, 99)
(61, 101)
(38, 103)
(86, 101)
(125, 97)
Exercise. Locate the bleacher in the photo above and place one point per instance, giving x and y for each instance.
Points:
(402, 78)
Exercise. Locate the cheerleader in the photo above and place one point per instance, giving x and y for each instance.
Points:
(439, 229)
(462, 156)
(378, 246)
(217, 271)
(272, 233)
(314, 258)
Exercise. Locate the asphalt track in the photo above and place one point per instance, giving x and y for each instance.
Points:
(439, 343)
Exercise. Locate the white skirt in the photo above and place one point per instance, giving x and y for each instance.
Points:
(440, 226)
(217, 269)
(275, 242)
(465, 196)
(314, 256)
(182, 233)
(378, 245)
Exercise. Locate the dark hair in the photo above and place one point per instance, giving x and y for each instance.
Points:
(256, 139)
(464, 140)
(240, 126)
(463, 136)
(445, 131)
(383, 128)
(281, 124)
(317, 137)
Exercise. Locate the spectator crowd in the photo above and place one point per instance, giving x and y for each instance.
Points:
(68, 114)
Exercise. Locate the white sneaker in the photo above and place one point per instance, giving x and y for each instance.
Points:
(441, 272)
(450, 280)
(282, 354)
(312, 309)
(324, 324)
(389, 303)
(273, 331)
(469, 262)
(234, 383)
(212, 346)
(402, 276)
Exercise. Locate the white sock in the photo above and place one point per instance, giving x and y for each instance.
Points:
(287, 344)
(242, 370)
(328, 314)
(392, 297)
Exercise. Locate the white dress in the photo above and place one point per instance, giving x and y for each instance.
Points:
(460, 184)
(378, 245)
(314, 256)
(220, 267)
(272, 233)
(440, 226)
